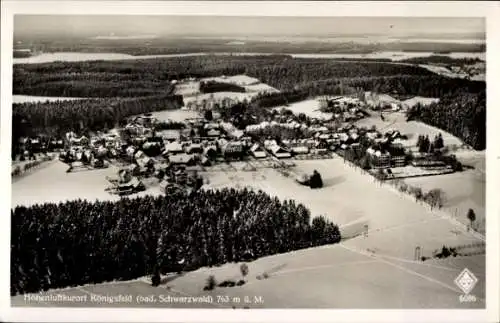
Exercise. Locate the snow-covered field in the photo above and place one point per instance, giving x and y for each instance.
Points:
(343, 201)
(419, 99)
(31, 98)
(377, 271)
(79, 57)
(187, 88)
(325, 277)
(309, 107)
(462, 191)
(175, 115)
(53, 184)
(241, 79)
(261, 88)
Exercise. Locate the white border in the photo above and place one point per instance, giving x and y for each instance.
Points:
(490, 10)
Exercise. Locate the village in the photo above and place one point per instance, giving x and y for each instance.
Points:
(171, 153)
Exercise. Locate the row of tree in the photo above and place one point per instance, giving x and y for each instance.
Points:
(442, 59)
(426, 146)
(79, 242)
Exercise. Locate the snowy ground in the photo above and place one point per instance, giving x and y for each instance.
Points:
(175, 115)
(241, 79)
(386, 213)
(80, 56)
(462, 191)
(376, 271)
(191, 89)
(419, 99)
(309, 107)
(324, 277)
(53, 184)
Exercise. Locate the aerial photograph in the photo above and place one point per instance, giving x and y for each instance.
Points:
(248, 162)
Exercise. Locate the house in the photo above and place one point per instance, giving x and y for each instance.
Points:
(194, 148)
(213, 133)
(145, 162)
(270, 143)
(211, 125)
(82, 141)
(428, 164)
(139, 154)
(130, 151)
(300, 150)
(181, 159)
(280, 152)
(398, 161)
(174, 148)
(210, 151)
(101, 151)
(205, 161)
(343, 137)
(232, 149)
(169, 135)
(257, 151)
(378, 159)
(133, 169)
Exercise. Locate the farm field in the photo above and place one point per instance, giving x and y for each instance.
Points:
(191, 89)
(358, 280)
(53, 184)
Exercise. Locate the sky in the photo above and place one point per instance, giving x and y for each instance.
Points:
(244, 26)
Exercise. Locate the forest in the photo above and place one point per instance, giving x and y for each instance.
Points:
(144, 77)
(296, 78)
(442, 59)
(461, 114)
(130, 238)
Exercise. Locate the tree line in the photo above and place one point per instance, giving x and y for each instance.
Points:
(130, 238)
(442, 59)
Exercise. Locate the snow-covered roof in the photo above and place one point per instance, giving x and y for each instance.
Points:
(300, 149)
(180, 158)
(173, 147)
(256, 147)
(213, 132)
(139, 154)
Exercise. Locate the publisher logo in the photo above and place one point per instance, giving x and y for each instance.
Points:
(466, 281)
